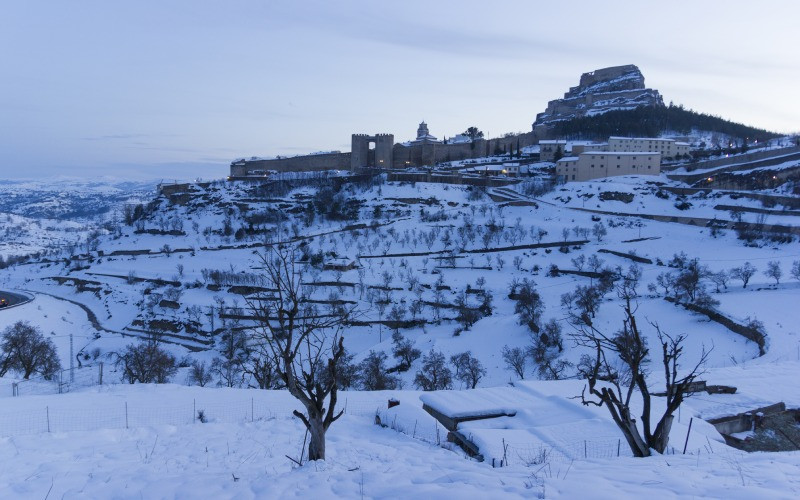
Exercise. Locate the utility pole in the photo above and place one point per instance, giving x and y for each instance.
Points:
(71, 361)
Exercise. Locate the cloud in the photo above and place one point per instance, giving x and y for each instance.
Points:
(125, 137)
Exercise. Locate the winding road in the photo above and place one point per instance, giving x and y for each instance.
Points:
(13, 299)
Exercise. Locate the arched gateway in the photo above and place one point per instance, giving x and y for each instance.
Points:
(362, 156)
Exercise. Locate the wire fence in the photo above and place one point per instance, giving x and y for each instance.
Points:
(505, 452)
(530, 454)
(62, 382)
(262, 405)
(116, 414)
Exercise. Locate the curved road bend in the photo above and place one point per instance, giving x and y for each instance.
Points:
(13, 299)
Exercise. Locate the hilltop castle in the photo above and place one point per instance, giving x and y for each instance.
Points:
(619, 87)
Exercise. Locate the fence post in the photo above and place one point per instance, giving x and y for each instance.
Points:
(101, 373)
(619, 441)
(687, 435)
(252, 410)
(47, 409)
(584, 449)
(126, 414)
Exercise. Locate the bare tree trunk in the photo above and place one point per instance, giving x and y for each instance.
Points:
(316, 447)
(660, 438)
(622, 417)
(634, 439)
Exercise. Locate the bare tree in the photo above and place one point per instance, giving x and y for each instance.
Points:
(618, 370)
(774, 271)
(374, 374)
(599, 231)
(529, 304)
(23, 348)
(743, 273)
(720, 279)
(146, 362)
(515, 360)
(795, 270)
(303, 344)
(229, 367)
(434, 375)
(403, 349)
(594, 263)
(199, 374)
(583, 303)
(545, 350)
(689, 284)
(469, 369)
(259, 366)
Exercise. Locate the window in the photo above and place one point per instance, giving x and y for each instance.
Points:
(573, 177)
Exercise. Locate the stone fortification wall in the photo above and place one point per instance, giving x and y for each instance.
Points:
(429, 154)
(467, 180)
(309, 163)
(362, 156)
(745, 158)
(385, 155)
(636, 80)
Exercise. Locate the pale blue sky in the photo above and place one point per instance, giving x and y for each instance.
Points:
(154, 88)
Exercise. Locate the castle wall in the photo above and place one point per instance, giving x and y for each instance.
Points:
(310, 163)
(419, 155)
(361, 155)
(469, 180)
(385, 155)
(588, 79)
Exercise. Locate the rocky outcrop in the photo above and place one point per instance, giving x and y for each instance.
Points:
(602, 90)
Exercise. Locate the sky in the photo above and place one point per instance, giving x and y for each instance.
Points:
(163, 89)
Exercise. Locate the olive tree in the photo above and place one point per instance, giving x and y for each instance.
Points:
(617, 371)
(303, 344)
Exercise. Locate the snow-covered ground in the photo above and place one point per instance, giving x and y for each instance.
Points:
(231, 456)
(24, 235)
(168, 454)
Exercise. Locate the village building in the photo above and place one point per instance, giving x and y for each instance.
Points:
(669, 148)
(549, 149)
(599, 164)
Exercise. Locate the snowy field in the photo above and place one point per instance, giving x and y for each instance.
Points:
(230, 458)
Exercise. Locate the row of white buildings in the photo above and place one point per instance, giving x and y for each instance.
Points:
(619, 156)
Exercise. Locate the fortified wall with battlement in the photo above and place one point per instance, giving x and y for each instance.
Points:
(308, 163)
(386, 154)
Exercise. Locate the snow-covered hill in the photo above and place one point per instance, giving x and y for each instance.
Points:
(188, 262)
